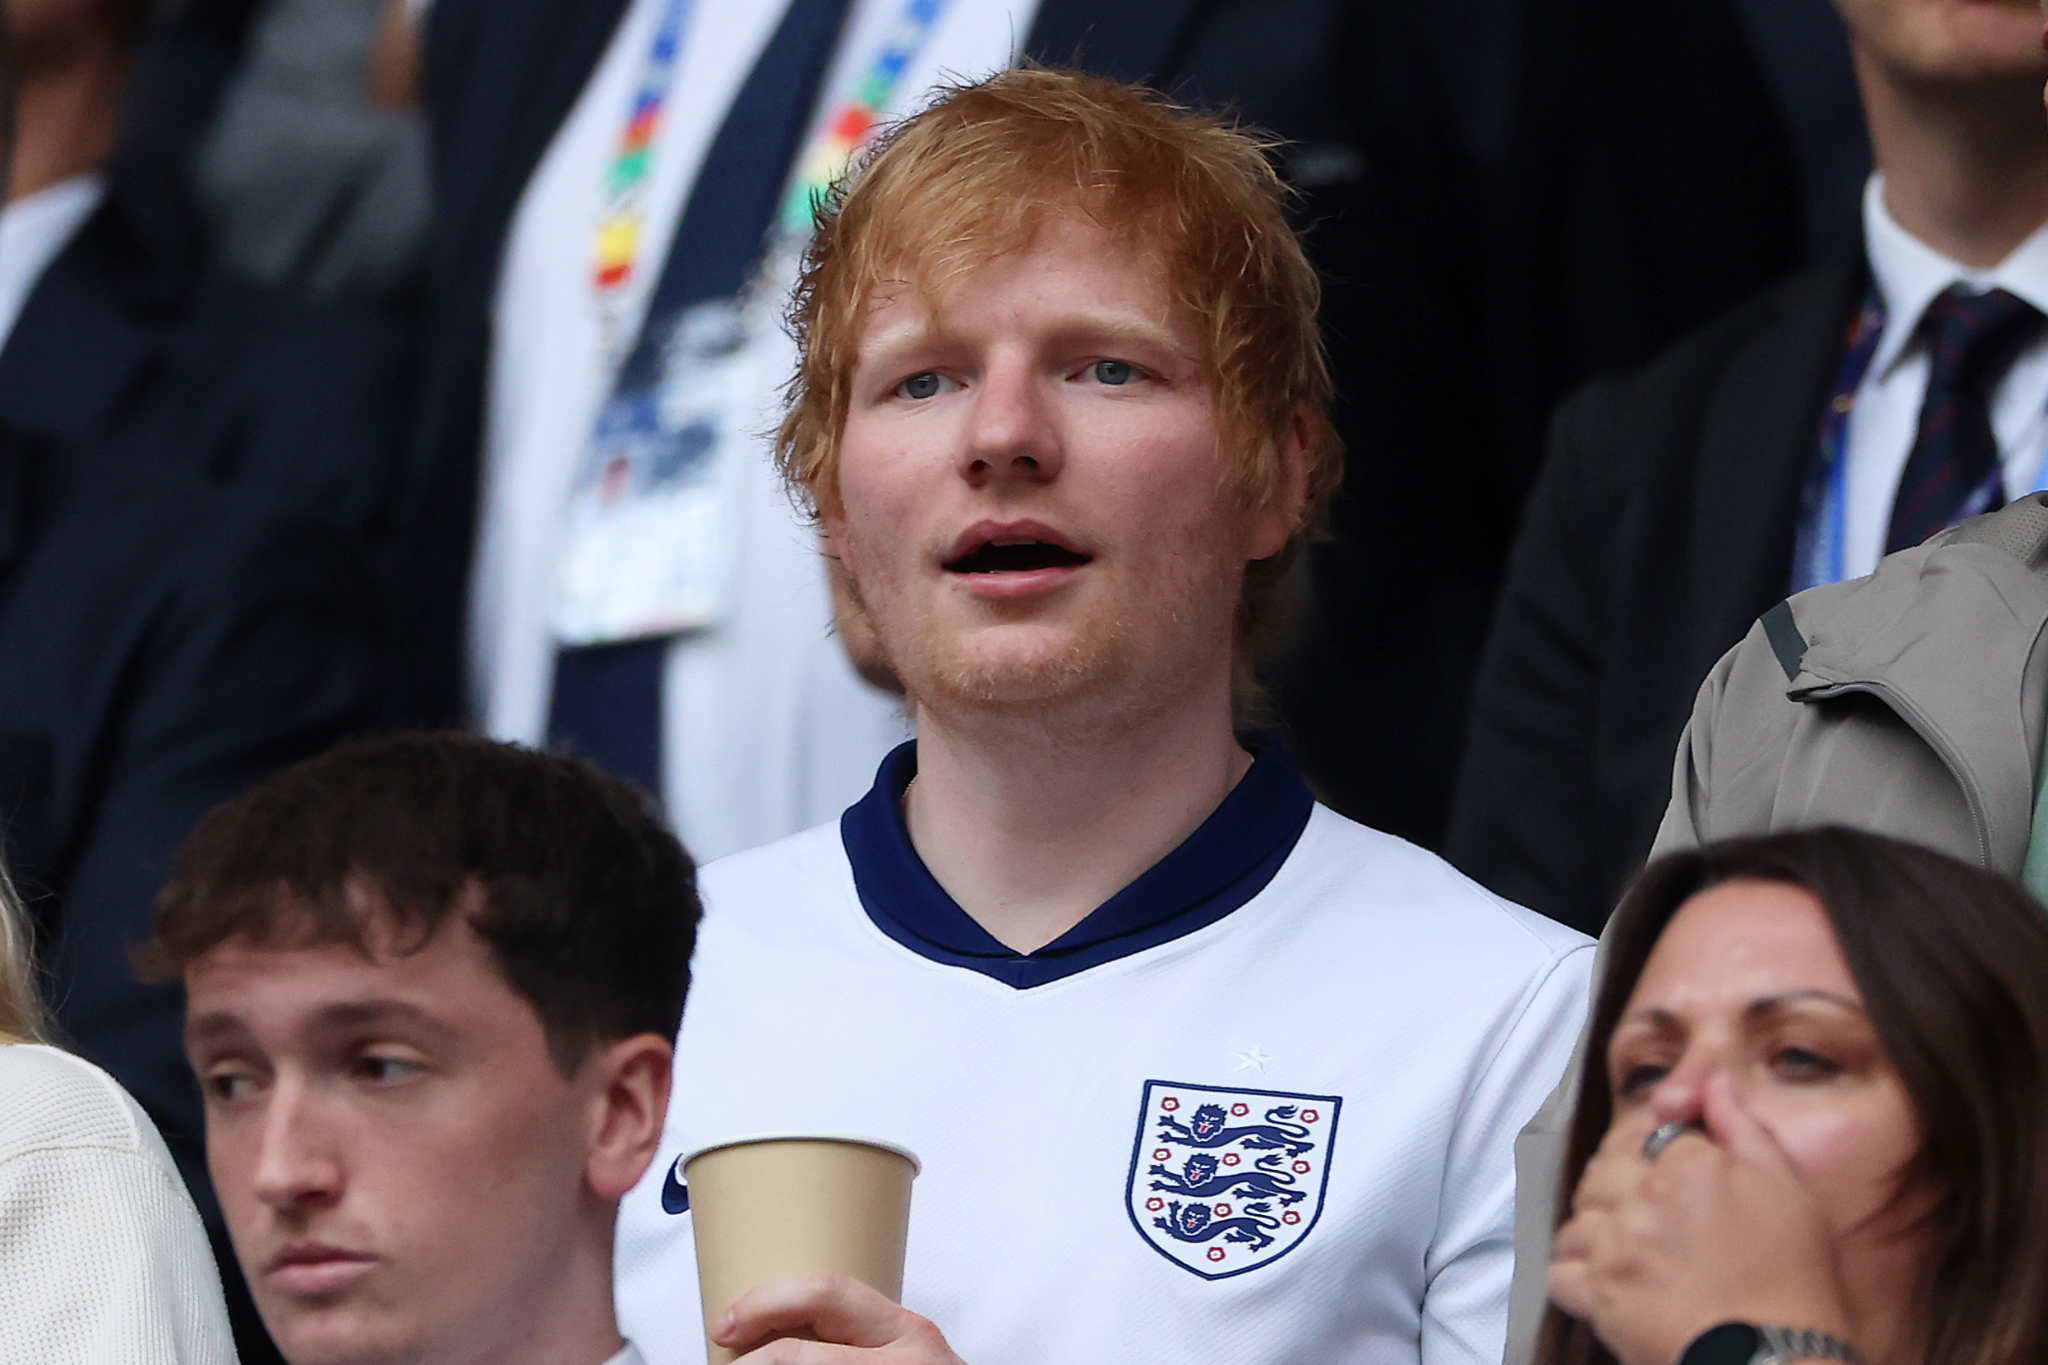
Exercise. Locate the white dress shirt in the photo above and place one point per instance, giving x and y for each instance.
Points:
(33, 229)
(766, 727)
(1909, 275)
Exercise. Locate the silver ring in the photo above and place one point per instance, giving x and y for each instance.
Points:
(1663, 1137)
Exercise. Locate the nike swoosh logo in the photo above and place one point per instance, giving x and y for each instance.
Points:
(675, 1195)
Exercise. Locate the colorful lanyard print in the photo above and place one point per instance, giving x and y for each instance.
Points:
(854, 116)
(852, 119)
(619, 225)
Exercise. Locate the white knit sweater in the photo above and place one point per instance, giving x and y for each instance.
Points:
(102, 1258)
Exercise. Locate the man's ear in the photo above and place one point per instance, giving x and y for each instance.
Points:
(629, 1100)
(1277, 522)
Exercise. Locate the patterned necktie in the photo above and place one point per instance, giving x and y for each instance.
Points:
(1954, 471)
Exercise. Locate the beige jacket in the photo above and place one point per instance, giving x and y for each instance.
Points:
(1909, 703)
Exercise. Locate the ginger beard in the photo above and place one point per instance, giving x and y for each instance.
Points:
(1036, 511)
(1129, 657)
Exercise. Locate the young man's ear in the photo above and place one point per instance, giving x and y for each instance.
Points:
(629, 1098)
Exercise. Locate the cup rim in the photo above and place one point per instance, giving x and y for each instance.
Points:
(855, 1139)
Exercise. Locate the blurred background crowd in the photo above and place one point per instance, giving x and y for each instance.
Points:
(318, 315)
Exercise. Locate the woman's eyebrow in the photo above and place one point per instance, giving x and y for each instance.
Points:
(1779, 1004)
(1650, 1016)
(1662, 1019)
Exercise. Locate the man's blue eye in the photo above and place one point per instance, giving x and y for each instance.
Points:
(924, 385)
(1113, 371)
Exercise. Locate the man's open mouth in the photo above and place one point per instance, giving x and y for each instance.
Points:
(1015, 557)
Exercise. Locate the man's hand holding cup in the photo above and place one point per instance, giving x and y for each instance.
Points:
(852, 1323)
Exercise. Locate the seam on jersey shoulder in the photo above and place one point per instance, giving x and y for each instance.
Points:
(1530, 995)
(1519, 915)
(1455, 884)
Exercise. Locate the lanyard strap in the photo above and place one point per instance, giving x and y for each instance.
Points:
(850, 121)
(1817, 556)
(619, 224)
(853, 116)
(723, 230)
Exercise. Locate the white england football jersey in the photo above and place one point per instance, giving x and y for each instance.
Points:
(1260, 1107)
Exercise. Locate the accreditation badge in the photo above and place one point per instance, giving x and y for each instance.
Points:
(651, 540)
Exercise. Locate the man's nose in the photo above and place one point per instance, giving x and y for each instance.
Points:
(1012, 433)
(296, 1160)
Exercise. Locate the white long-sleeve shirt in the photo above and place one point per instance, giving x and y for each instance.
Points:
(102, 1257)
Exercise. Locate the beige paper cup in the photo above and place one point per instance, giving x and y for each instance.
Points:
(781, 1204)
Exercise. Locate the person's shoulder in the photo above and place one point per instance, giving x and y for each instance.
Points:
(813, 858)
(1984, 574)
(1818, 301)
(52, 1099)
(93, 1199)
(1388, 889)
(787, 901)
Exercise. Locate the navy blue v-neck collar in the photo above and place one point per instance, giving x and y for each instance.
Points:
(1224, 863)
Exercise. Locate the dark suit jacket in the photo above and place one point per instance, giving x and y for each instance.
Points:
(162, 646)
(1660, 528)
(191, 471)
(138, 362)
(164, 434)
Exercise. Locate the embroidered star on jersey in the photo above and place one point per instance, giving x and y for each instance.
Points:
(1252, 1058)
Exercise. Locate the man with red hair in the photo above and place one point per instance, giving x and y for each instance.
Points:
(1197, 1069)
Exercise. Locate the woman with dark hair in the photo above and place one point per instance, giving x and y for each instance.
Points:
(1814, 1123)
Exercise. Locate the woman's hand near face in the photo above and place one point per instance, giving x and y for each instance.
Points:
(854, 1324)
(1716, 1228)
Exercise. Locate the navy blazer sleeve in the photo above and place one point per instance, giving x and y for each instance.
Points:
(160, 651)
